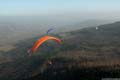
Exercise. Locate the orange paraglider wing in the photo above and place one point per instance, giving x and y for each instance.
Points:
(41, 41)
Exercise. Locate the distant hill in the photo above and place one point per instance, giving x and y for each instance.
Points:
(104, 41)
(84, 24)
(15, 29)
(85, 52)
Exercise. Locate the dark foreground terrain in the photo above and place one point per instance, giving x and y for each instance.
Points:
(60, 70)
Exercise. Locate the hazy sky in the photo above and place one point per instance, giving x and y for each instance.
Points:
(43, 7)
(62, 9)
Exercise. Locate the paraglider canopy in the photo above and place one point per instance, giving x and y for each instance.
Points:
(41, 41)
(49, 30)
(96, 28)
